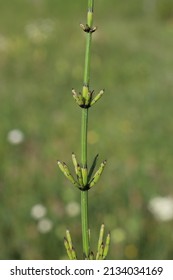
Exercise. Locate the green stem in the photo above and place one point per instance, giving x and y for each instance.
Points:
(84, 130)
(84, 194)
(84, 137)
(88, 43)
(85, 225)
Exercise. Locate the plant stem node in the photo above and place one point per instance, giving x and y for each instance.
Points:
(86, 28)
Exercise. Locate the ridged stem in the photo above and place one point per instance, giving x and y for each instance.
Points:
(84, 130)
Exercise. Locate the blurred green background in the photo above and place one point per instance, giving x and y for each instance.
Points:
(41, 59)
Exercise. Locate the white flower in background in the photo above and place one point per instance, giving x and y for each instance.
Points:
(38, 211)
(15, 137)
(45, 225)
(161, 208)
(38, 31)
(73, 209)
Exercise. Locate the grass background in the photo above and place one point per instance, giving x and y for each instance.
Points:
(41, 59)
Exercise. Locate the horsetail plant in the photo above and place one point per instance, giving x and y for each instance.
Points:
(85, 179)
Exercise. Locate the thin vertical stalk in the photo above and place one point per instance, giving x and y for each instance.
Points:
(88, 43)
(84, 194)
(84, 129)
(85, 179)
